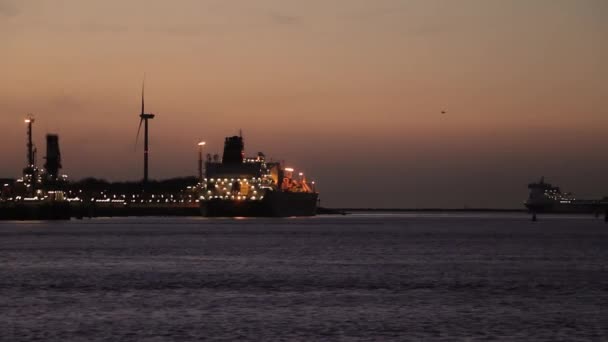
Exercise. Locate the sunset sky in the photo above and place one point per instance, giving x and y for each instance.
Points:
(348, 91)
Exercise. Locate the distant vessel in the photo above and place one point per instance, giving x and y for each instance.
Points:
(545, 197)
(250, 187)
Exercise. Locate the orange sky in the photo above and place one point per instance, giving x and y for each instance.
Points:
(351, 91)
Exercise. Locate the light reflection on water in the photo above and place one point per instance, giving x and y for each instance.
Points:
(366, 276)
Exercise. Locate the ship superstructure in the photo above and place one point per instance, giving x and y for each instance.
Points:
(240, 186)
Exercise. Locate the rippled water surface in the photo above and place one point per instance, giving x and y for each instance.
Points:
(358, 277)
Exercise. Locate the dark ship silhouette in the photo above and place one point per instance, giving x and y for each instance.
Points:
(546, 198)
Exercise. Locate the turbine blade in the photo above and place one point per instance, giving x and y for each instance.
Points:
(138, 130)
(143, 84)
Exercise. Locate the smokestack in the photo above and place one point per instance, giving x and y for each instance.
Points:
(30, 145)
(53, 156)
(234, 150)
(200, 165)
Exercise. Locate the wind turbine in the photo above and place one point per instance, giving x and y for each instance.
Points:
(143, 118)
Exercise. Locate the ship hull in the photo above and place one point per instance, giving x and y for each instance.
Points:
(134, 209)
(575, 207)
(25, 211)
(274, 204)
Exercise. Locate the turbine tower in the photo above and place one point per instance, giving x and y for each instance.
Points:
(144, 117)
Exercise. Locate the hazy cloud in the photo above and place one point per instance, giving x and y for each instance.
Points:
(67, 102)
(8, 8)
(284, 19)
(409, 20)
(184, 30)
(103, 28)
(226, 27)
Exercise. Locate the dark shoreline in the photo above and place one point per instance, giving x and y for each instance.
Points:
(346, 211)
(432, 210)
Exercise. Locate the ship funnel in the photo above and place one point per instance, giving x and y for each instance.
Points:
(53, 156)
(234, 150)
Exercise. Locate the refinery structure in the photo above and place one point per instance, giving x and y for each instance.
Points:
(227, 186)
(38, 194)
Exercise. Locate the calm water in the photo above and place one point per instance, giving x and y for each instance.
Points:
(363, 277)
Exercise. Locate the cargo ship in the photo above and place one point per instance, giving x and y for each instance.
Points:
(546, 198)
(236, 186)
